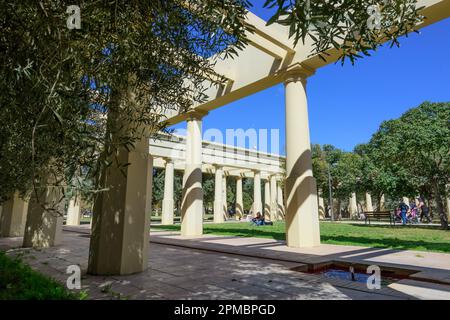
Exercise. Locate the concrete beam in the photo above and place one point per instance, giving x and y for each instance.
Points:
(255, 70)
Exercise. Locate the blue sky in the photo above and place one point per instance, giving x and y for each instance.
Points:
(347, 104)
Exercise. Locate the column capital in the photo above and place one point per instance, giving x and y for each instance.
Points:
(221, 167)
(194, 114)
(297, 72)
(168, 160)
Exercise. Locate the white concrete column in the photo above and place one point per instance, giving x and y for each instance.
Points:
(382, 203)
(369, 206)
(257, 201)
(218, 195)
(168, 201)
(273, 198)
(44, 218)
(13, 217)
(353, 205)
(92, 218)
(121, 220)
(239, 199)
(267, 200)
(321, 204)
(302, 215)
(281, 209)
(192, 200)
(74, 212)
(224, 195)
(448, 208)
(447, 200)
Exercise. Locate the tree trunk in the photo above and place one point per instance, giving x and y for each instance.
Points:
(440, 206)
(339, 213)
(379, 197)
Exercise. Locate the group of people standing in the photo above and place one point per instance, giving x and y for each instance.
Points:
(413, 213)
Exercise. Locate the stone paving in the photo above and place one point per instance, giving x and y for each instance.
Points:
(177, 272)
(431, 263)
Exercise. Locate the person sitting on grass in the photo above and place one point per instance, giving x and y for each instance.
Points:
(258, 220)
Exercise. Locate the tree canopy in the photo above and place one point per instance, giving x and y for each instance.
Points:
(131, 60)
(408, 156)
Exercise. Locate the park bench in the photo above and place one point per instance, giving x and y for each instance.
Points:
(379, 215)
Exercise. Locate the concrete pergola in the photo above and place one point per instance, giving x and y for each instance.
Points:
(270, 59)
(169, 152)
(122, 237)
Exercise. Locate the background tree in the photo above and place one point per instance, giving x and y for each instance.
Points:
(416, 148)
(247, 189)
(158, 188)
(320, 167)
(208, 185)
(348, 29)
(346, 175)
(377, 179)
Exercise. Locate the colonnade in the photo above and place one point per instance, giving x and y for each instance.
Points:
(368, 205)
(273, 197)
(13, 216)
(121, 221)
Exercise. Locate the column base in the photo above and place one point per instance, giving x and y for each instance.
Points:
(73, 213)
(13, 217)
(267, 215)
(44, 227)
(121, 220)
(273, 213)
(192, 204)
(239, 212)
(302, 220)
(218, 212)
(167, 212)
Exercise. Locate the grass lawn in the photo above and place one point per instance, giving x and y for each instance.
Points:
(420, 238)
(206, 217)
(19, 282)
(85, 220)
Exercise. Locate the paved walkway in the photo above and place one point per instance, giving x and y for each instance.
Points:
(211, 268)
(428, 265)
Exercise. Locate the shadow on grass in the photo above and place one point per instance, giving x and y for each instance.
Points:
(384, 243)
(397, 226)
(392, 243)
(178, 219)
(239, 232)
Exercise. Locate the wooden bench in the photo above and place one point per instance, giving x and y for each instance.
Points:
(379, 215)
